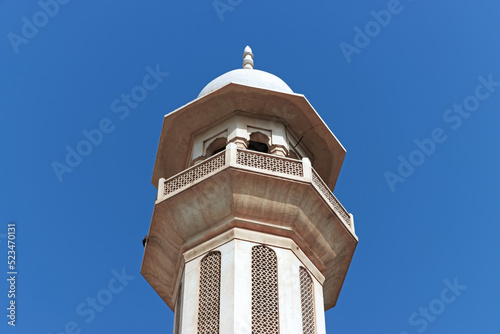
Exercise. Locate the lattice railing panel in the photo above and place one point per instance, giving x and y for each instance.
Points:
(339, 209)
(264, 291)
(307, 302)
(194, 173)
(269, 162)
(209, 295)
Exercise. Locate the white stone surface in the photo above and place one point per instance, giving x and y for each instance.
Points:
(236, 283)
(190, 300)
(319, 307)
(306, 165)
(247, 77)
(247, 58)
(290, 311)
(242, 294)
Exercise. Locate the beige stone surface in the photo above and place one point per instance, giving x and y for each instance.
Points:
(230, 200)
(292, 110)
(254, 201)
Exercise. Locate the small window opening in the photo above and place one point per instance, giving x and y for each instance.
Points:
(218, 145)
(258, 142)
(219, 150)
(256, 146)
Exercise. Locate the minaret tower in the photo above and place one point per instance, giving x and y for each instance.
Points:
(246, 235)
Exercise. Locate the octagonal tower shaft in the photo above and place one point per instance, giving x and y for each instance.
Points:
(246, 235)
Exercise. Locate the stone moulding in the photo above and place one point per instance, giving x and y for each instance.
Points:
(275, 196)
(299, 170)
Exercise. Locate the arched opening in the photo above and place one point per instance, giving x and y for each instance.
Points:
(258, 142)
(216, 146)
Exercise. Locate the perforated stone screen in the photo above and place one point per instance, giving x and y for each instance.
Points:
(307, 302)
(209, 295)
(264, 291)
(194, 173)
(270, 163)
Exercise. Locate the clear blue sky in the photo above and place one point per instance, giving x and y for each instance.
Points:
(414, 98)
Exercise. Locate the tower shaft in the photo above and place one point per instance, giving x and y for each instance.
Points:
(246, 234)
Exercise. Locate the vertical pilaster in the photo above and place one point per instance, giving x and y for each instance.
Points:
(236, 290)
(190, 297)
(319, 307)
(290, 313)
(161, 189)
(231, 154)
(307, 169)
(242, 296)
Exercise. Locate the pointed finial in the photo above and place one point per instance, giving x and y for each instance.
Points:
(248, 58)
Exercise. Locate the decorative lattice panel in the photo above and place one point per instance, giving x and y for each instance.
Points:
(307, 301)
(339, 209)
(178, 311)
(264, 291)
(209, 295)
(270, 163)
(194, 173)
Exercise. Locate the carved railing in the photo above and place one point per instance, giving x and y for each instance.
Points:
(194, 173)
(296, 169)
(328, 195)
(269, 162)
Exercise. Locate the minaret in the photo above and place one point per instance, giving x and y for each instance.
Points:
(246, 234)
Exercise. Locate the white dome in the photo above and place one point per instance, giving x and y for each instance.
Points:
(248, 77)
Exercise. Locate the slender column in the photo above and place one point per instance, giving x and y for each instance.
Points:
(242, 294)
(319, 307)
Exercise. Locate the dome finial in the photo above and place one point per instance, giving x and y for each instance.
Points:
(248, 58)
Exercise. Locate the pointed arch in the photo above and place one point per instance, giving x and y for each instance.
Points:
(258, 142)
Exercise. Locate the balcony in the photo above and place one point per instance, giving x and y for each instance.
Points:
(255, 162)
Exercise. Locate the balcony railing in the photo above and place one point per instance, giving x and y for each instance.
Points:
(270, 162)
(300, 170)
(330, 198)
(196, 172)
